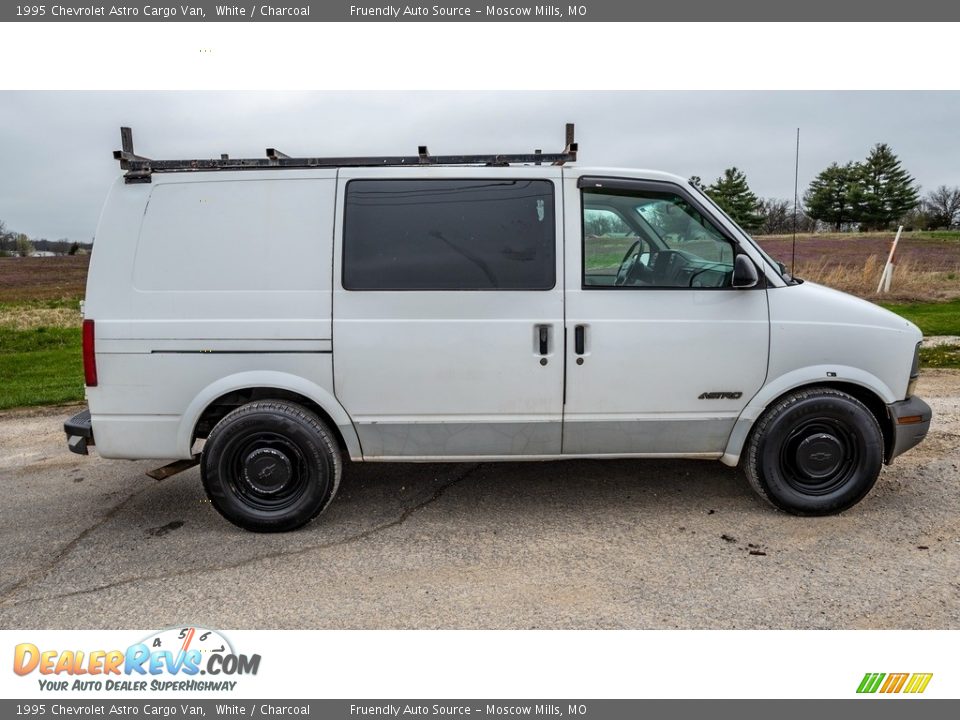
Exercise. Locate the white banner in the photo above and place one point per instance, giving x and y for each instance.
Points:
(463, 664)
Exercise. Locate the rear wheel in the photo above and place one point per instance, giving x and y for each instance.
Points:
(270, 466)
(816, 452)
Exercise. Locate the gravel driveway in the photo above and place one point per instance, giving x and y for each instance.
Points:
(86, 542)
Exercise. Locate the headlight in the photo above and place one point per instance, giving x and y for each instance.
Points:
(914, 371)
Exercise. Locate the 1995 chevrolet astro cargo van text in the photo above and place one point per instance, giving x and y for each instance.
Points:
(292, 311)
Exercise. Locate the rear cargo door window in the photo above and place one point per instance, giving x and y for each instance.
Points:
(492, 234)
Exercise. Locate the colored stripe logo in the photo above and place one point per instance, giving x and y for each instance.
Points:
(913, 683)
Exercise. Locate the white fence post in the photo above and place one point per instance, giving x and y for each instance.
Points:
(886, 277)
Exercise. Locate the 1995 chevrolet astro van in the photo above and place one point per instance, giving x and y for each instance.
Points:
(267, 317)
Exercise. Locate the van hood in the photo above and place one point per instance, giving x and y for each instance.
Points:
(842, 308)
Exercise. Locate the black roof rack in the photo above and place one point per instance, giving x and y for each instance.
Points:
(140, 168)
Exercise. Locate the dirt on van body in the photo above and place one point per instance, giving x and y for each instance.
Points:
(86, 542)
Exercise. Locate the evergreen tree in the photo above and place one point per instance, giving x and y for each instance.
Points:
(697, 183)
(732, 193)
(832, 195)
(885, 191)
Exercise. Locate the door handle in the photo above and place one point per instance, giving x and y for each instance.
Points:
(578, 337)
(543, 332)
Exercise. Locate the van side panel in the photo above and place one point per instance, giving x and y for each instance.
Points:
(212, 259)
(153, 401)
(197, 277)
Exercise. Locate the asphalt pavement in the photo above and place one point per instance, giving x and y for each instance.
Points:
(93, 543)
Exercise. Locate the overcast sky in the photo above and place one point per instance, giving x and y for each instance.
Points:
(57, 165)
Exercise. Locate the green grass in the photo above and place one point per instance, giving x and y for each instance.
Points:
(932, 318)
(934, 234)
(71, 303)
(41, 338)
(942, 356)
(41, 366)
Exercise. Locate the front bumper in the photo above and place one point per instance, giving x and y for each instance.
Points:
(79, 430)
(910, 420)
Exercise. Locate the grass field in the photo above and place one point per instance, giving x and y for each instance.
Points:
(54, 278)
(940, 356)
(47, 376)
(927, 264)
(40, 361)
(931, 318)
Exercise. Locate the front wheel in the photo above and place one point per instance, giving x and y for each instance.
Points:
(816, 452)
(270, 466)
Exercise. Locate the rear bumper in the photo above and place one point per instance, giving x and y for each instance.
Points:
(79, 430)
(910, 420)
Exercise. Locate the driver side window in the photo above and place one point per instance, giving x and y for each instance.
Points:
(650, 239)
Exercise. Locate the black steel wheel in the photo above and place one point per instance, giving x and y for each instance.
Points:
(817, 451)
(270, 466)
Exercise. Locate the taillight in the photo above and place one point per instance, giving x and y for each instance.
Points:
(89, 355)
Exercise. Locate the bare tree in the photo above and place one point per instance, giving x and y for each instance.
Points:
(943, 207)
(778, 217)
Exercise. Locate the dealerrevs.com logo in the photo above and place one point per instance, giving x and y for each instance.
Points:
(172, 659)
(910, 683)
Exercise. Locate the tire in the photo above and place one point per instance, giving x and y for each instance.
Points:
(815, 452)
(270, 466)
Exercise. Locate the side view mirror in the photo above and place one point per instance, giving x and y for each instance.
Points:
(744, 272)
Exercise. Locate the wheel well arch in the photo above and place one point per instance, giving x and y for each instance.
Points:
(873, 402)
(221, 406)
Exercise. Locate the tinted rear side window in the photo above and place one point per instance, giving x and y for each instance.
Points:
(495, 234)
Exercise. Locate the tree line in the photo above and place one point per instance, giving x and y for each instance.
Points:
(876, 193)
(20, 244)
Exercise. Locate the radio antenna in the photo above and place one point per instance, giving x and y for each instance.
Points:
(796, 201)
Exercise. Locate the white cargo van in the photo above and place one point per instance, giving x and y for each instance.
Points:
(268, 317)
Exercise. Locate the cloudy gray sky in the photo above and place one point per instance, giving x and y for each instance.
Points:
(57, 165)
